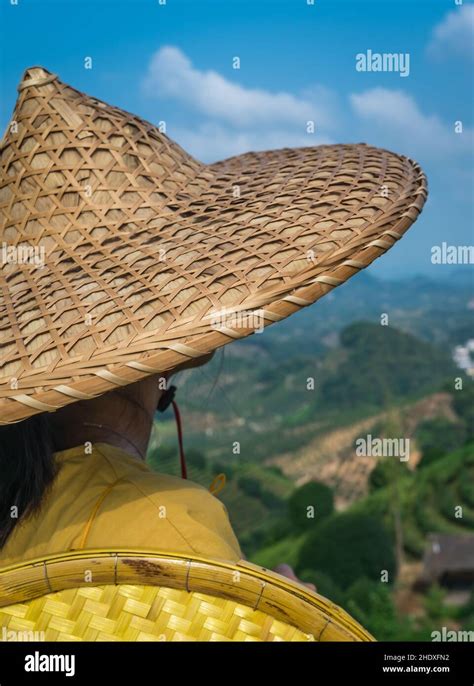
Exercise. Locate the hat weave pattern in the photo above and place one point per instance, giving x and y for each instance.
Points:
(139, 247)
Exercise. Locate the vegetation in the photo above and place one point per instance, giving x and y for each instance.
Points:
(308, 504)
(463, 403)
(385, 471)
(433, 499)
(383, 365)
(364, 371)
(349, 546)
(436, 437)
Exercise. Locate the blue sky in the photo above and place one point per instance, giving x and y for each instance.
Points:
(174, 62)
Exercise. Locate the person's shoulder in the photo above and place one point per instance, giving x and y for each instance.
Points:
(194, 514)
(156, 490)
(129, 469)
(179, 495)
(174, 486)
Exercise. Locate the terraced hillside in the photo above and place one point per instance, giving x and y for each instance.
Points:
(435, 499)
(331, 457)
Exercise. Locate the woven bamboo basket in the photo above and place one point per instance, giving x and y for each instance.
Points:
(103, 595)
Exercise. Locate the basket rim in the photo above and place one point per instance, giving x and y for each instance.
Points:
(257, 586)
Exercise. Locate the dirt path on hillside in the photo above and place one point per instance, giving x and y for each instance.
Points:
(331, 457)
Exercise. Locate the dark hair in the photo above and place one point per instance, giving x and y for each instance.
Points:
(27, 468)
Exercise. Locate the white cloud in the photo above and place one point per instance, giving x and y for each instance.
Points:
(229, 119)
(454, 34)
(395, 116)
(211, 141)
(171, 74)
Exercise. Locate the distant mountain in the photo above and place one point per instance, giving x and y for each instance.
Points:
(461, 277)
(274, 404)
(383, 365)
(429, 308)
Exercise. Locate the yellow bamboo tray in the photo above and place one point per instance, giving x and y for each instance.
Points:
(129, 595)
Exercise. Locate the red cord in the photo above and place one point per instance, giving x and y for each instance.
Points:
(177, 416)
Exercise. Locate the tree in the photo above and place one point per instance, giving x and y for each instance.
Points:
(325, 586)
(434, 602)
(309, 505)
(250, 486)
(437, 437)
(383, 473)
(463, 403)
(270, 499)
(349, 546)
(371, 603)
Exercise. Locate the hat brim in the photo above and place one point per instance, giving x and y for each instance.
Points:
(250, 241)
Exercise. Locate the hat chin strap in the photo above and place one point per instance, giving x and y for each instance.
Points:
(164, 402)
(179, 427)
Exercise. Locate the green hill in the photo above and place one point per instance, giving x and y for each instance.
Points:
(436, 499)
(274, 411)
(382, 365)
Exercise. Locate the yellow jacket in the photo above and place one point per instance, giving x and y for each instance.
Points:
(109, 499)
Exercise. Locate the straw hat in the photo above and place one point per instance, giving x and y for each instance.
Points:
(123, 256)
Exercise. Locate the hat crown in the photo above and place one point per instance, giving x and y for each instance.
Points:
(34, 76)
(69, 160)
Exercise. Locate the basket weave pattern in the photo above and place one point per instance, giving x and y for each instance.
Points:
(144, 613)
(129, 596)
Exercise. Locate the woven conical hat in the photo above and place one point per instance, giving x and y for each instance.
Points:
(123, 256)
